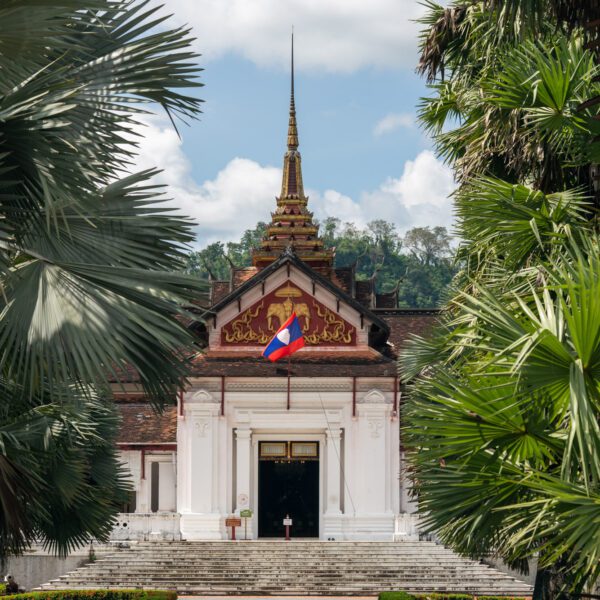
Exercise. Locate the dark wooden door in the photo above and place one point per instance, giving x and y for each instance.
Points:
(288, 488)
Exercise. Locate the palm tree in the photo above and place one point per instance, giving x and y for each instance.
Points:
(503, 410)
(505, 401)
(88, 254)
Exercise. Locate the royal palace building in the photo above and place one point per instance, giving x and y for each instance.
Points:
(316, 438)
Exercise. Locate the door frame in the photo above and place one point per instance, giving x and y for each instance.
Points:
(288, 437)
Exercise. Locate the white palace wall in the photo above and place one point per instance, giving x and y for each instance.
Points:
(214, 473)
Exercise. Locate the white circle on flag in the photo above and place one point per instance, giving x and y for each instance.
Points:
(284, 336)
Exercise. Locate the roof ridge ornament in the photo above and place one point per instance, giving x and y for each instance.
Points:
(289, 251)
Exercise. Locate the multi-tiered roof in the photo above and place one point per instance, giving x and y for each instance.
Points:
(292, 223)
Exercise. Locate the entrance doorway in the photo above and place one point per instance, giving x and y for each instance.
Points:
(288, 484)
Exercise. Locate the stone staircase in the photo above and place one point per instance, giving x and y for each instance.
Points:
(272, 567)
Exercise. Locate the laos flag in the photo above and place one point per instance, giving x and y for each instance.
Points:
(286, 341)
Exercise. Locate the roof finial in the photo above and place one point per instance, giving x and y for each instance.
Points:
(292, 96)
(292, 140)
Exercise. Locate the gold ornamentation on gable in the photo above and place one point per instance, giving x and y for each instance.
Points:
(334, 329)
(240, 330)
(288, 291)
(320, 326)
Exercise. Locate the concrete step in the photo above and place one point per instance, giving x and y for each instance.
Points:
(276, 567)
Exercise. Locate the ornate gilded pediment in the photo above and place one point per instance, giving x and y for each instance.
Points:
(256, 325)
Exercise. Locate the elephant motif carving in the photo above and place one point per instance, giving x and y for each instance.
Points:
(283, 310)
(302, 310)
(278, 310)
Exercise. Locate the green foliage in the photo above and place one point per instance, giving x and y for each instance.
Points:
(395, 596)
(88, 254)
(96, 595)
(500, 598)
(515, 111)
(419, 264)
(515, 415)
(216, 259)
(438, 596)
(503, 411)
(74, 470)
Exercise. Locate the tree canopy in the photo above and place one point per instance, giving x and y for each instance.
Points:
(420, 263)
(504, 402)
(88, 254)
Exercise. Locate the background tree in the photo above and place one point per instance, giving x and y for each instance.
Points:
(216, 259)
(420, 263)
(428, 245)
(503, 411)
(88, 256)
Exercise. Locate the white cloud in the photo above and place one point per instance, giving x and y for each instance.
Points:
(393, 121)
(333, 204)
(419, 197)
(244, 191)
(331, 35)
(241, 194)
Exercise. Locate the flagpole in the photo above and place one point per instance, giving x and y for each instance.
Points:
(289, 382)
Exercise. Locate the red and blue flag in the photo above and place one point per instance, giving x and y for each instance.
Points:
(286, 341)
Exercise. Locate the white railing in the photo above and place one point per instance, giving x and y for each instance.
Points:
(146, 526)
(406, 527)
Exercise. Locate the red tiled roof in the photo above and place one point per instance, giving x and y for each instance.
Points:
(364, 289)
(142, 425)
(386, 300)
(342, 277)
(219, 289)
(405, 322)
(242, 274)
(310, 364)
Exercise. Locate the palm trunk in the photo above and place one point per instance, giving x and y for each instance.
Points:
(552, 581)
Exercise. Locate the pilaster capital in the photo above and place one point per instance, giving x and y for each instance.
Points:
(334, 434)
(202, 411)
(243, 433)
(199, 397)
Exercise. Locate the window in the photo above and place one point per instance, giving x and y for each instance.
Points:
(162, 484)
(130, 504)
(154, 480)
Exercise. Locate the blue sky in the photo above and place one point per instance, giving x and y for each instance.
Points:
(246, 109)
(364, 156)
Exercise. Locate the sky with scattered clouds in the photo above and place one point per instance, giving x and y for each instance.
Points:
(364, 156)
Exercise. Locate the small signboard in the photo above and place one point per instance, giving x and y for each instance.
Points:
(233, 522)
(287, 522)
(246, 513)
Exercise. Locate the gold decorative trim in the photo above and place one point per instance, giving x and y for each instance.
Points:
(273, 449)
(257, 324)
(288, 291)
(241, 328)
(335, 329)
(304, 450)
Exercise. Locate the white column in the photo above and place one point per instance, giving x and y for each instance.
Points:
(374, 476)
(373, 425)
(202, 459)
(333, 472)
(200, 509)
(243, 454)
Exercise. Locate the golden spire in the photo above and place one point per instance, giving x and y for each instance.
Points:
(292, 223)
(292, 138)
